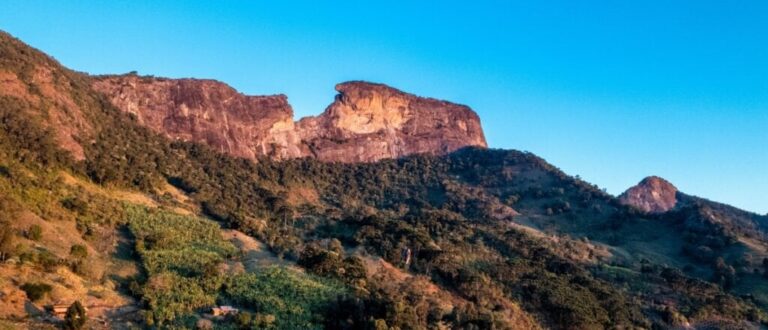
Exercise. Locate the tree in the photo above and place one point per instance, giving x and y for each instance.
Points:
(765, 267)
(335, 246)
(320, 261)
(725, 274)
(76, 317)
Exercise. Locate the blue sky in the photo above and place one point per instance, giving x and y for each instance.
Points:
(610, 90)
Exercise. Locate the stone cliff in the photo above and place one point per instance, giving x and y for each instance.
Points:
(366, 122)
(208, 112)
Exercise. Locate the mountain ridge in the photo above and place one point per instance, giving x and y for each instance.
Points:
(366, 121)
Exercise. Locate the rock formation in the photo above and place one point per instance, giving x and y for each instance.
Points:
(366, 122)
(652, 195)
(208, 112)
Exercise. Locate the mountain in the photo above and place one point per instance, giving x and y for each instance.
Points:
(655, 195)
(366, 122)
(652, 195)
(144, 213)
(34, 84)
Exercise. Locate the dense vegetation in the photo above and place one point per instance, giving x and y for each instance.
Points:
(283, 298)
(182, 257)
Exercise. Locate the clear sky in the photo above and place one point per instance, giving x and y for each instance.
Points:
(609, 90)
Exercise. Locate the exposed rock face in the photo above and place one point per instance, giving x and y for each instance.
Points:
(209, 112)
(652, 195)
(369, 122)
(366, 122)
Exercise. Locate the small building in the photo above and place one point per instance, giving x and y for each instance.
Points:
(59, 310)
(224, 311)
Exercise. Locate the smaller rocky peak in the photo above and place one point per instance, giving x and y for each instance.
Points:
(652, 195)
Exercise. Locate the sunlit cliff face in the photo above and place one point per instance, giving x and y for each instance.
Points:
(366, 122)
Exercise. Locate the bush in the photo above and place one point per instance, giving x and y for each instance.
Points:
(78, 251)
(36, 291)
(47, 260)
(83, 267)
(75, 204)
(35, 232)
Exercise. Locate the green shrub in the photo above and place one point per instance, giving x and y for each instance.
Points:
(36, 291)
(42, 258)
(78, 251)
(75, 204)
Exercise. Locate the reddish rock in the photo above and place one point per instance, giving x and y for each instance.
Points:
(208, 112)
(652, 195)
(366, 122)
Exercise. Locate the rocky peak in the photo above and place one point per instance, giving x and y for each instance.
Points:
(652, 195)
(207, 111)
(366, 122)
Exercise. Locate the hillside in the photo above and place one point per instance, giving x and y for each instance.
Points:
(144, 226)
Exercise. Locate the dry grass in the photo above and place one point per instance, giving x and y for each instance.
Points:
(183, 203)
(67, 288)
(255, 253)
(117, 194)
(303, 195)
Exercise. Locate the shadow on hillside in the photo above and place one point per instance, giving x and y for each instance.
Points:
(125, 257)
(125, 245)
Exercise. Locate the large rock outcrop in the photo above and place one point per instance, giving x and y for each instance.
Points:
(366, 122)
(208, 112)
(652, 195)
(369, 122)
